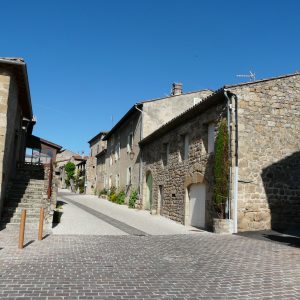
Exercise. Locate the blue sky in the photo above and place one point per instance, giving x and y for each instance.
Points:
(91, 60)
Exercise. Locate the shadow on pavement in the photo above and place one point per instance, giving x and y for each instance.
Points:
(28, 243)
(287, 238)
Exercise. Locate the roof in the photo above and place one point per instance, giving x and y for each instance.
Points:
(98, 135)
(130, 112)
(37, 140)
(213, 99)
(78, 157)
(262, 80)
(101, 153)
(18, 66)
(140, 105)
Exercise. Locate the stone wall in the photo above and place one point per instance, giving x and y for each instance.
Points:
(175, 177)
(269, 154)
(11, 135)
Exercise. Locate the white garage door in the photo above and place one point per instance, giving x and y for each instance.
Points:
(197, 195)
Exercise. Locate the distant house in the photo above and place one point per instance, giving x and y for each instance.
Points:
(97, 145)
(263, 123)
(122, 168)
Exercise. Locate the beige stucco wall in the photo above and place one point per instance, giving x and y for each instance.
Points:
(159, 112)
(269, 154)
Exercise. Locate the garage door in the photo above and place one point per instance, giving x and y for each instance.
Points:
(197, 195)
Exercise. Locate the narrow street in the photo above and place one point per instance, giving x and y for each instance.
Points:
(101, 250)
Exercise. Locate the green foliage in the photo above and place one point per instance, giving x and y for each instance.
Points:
(132, 199)
(113, 197)
(67, 181)
(70, 170)
(221, 169)
(121, 197)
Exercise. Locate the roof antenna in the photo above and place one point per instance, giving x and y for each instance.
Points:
(250, 75)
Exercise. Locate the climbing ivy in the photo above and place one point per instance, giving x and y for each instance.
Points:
(221, 169)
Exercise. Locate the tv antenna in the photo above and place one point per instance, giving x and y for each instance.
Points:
(250, 75)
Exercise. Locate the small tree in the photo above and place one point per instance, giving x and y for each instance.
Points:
(70, 170)
(221, 169)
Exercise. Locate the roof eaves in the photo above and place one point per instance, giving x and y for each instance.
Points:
(18, 61)
(122, 120)
(261, 80)
(98, 135)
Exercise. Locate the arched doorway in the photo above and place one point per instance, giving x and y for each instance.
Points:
(149, 184)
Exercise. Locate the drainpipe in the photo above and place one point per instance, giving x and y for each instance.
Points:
(141, 152)
(236, 166)
(229, 110)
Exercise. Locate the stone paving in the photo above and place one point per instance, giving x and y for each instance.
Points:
(195, 266)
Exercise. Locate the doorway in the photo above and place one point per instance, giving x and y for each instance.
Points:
(149, 184)
(197, 199)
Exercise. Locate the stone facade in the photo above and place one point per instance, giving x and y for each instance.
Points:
(268, 142)
(96, 146)
(12, 132)
(269, 153)
(172, 179)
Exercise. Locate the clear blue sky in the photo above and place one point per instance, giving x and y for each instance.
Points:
(88, 60)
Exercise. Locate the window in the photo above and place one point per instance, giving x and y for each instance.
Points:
(110, 159)
(166, 153)
(128, 181)
(129, 142)
(117, 181)
(211, 138)
(91, 151)
(97, 148)
(186, 147)
(117, 152)
(110, 181)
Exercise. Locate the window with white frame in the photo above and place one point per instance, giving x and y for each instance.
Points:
(111, 159)
(117, 152)
(128, 178)
(117, 180)
(129, 142)
(211, 138)
(110, 181)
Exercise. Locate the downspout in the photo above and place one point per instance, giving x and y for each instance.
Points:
(229, 111)
(141, 151)
(236, 166)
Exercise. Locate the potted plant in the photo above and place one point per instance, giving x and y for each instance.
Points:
(221, 224)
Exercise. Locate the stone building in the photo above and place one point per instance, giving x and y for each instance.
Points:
(24, 183)
(122, 157)
(97, 145)
(16, 119)
(263, 120)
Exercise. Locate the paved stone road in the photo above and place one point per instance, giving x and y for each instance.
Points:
(201, 266)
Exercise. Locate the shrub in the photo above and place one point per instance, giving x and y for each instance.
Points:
(132, 199)
(113, 197)
(121, 197)
(70, 170)
(221, 169)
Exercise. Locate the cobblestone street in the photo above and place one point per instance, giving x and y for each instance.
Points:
(192, 266)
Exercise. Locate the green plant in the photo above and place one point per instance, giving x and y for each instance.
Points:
(113, 197)
(121, 197)
(70, 170)
(132, 199)
(221, 169)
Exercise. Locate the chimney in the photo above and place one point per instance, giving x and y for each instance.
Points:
(176, 89)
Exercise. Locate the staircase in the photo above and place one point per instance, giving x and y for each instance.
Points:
(27, 191)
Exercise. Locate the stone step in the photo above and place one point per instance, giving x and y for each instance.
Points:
(18, 210)
(27, 191)
(17, 219)
(13, 201)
